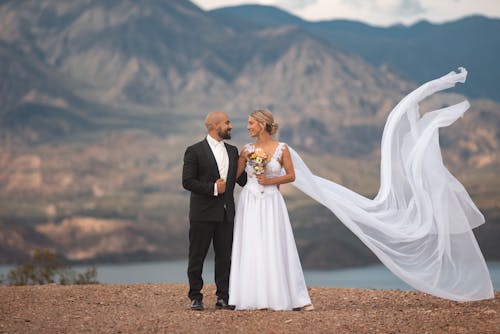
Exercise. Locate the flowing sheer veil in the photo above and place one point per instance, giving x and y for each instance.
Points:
(420, 223)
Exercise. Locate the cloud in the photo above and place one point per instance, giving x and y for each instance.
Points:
(411, 7)
(376, 12)
(295, 4)
(394, 7)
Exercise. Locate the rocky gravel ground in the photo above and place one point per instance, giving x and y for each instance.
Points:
(164, 308)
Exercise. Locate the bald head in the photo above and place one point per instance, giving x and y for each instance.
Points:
(213, 119)
(218, 125)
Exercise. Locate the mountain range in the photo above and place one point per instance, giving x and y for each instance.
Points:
(416, 52)
(100, 98)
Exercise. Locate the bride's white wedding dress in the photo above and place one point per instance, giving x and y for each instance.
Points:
(419, 224)
(265, 265)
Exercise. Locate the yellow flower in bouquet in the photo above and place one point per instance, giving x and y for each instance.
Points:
(258, 160)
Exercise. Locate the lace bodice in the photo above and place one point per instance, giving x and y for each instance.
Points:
(273, 167)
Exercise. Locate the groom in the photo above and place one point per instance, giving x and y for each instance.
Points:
(209, 173)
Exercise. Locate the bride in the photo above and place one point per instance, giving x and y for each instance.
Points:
(265, 266)
(419, 224)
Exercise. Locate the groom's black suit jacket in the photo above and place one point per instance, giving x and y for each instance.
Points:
(199, 174)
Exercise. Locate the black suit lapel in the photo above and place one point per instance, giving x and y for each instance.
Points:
(211, 158)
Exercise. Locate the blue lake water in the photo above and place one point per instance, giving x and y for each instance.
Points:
(375, 277)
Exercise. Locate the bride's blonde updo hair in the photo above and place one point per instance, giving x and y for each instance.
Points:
(266, 118)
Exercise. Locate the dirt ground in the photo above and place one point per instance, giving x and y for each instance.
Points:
(164, 308)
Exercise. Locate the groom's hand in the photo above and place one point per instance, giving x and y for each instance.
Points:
(221, 186)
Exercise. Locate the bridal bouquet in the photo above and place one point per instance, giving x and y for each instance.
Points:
(258, 161)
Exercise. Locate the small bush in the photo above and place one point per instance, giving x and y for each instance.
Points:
(45, 267)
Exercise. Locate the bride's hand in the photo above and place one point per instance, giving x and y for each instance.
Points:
(263, 180)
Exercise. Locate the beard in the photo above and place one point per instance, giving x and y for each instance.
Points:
(224, 134)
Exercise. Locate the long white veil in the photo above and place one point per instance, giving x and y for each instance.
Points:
(420, 223)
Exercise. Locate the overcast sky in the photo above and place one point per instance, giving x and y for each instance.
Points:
(376, 12)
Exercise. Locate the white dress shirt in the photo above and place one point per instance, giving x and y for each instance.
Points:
(221, 157)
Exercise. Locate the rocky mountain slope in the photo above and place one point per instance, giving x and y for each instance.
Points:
(100, 99)
(417, 52)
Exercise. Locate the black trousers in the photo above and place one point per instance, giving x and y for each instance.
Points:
(201, 235)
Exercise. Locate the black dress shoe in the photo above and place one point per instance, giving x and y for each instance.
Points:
(221, 304)
(197, 305)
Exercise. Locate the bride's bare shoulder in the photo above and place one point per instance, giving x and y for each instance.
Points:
(273, 143)
(247, 148)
